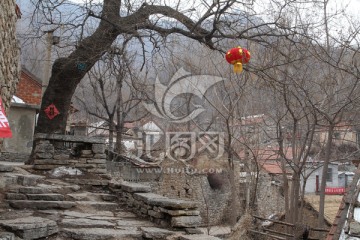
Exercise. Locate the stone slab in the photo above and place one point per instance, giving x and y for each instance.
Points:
(155, 214)
(57, 186)
(103, 161)
(41, 205)
(171, 203)
(135, 187)
(134, 223)
(43, 155)
(46, 197)
(186, 221)
(108, 197)
(34, 190)
(69, 138)
(100, 155)
(84, 196)
(98, 148)
(15, 196)
(87, 215)
(146, 197)
(6, 168)
(28, 180)
(198, 237)
(101, 233)
(51, 161)
(86, 223)
(61, 156)
(100, 206)
(31, 227)
(44, 147)
(180, 212)
(46, 166)
(93, 182)
(156, 233)
(7, 236)
(124, 214)
(97, 170)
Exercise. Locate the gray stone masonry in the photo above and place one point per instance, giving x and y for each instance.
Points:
(9, 49)
(47, 157)
(31, 227)
(162, 210)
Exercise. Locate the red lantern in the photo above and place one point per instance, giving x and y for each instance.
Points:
(237, 57)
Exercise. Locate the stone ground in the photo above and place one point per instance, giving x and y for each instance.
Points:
(34, 206)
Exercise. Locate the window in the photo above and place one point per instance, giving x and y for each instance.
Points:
(329, 175)
(336, 135)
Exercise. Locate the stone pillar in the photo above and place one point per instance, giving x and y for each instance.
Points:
(9, 51)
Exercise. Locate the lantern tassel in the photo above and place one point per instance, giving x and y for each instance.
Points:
(238, 67)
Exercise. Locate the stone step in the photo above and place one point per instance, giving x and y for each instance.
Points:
(101, 233)
(46, 197)
(92, 182)
(34, 190)
(86, 223)
(108, 197)
(89, 196)
(168, 203)
(94, 205)
(6, 168)
(15, 196)
(156, 233)
(186, 221)
(28, 180)
(135, 187)
(198, 237)
(30, 227)
(7, 236)
(41, 205)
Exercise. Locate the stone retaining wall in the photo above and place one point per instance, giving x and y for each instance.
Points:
(9, 57)
(164, 211)
(88, 155)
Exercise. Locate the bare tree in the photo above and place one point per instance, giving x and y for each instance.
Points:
(153, 21)
(111, 94)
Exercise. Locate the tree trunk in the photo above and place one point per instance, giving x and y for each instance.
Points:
(324, 174)
(286, 191)
(111, 134)
(294, 206)
(302, 198)
(68, 72)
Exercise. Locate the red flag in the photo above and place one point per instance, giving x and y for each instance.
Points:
(5, 131)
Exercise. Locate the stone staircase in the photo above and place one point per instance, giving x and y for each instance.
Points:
(37, 207)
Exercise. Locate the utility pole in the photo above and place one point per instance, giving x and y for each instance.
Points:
(50, 41)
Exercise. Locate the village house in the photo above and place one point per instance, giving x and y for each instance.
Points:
(22, 117)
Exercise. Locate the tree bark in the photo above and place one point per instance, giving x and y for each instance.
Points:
(66, 75)
(324, 174)
(68, 72)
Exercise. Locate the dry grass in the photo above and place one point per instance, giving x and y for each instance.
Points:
(239, 231)
(332, 204)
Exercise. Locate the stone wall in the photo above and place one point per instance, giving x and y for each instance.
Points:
(269, 198)
(164, 211)
(9, 51)
(177, 182)
(51, 152)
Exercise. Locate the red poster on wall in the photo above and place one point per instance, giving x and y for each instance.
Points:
(5, 131)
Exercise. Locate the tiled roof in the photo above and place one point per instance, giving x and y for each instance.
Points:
(272, 168)
(347, 220)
